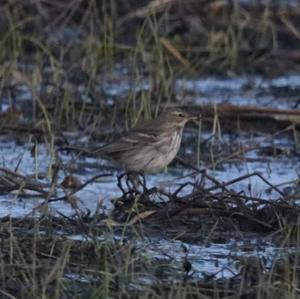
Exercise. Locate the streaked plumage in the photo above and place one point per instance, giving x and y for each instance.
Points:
(150, 146)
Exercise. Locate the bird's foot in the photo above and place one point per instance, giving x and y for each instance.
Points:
(135, 182)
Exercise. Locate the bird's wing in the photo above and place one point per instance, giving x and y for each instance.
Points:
(129, 141)
(147, 133)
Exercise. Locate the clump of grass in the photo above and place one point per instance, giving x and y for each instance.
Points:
(41, 264)
(97, 41)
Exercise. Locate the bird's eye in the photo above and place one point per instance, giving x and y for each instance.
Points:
(180, 114)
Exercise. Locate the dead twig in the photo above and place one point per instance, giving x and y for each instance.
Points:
(89, 181)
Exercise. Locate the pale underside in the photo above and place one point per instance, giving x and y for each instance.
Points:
(144, 152)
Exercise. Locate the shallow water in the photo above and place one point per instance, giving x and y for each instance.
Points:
(278, 92)
(209, 259)
(277, 170)
(219, 260)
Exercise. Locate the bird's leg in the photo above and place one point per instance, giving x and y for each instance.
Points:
(142, 181)
(119, 184)
(132, 181)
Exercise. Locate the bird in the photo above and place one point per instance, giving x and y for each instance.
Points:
(150, 146)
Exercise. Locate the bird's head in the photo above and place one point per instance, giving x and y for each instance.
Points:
(180, 117)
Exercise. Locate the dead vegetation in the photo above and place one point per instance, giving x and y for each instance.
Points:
(40, 255)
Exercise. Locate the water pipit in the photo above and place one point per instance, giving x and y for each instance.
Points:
(150, 146)
(147, 148)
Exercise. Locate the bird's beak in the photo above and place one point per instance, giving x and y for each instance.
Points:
(195, 119)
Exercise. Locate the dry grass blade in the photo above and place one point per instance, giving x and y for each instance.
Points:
(171, 49)
(7, 295)
(229, 110)
(153, 7)
(13, 181)
(141, 216)
(290, 26)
